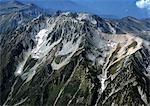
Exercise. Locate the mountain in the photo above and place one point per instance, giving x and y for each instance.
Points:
(14, 15)
(75, 59)
(134, 25)
(17, 14)
(105, 8)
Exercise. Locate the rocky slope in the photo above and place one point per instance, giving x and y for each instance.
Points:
(75, 59)
(14, 15)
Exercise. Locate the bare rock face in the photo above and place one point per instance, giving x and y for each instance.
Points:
(75, 59)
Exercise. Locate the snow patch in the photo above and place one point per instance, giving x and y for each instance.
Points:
(103, 84)
(40, 38)
(66, 13)
(41, 48)
(111, 44)
(44, 49)
(143, 95)
(20, 67)
(56, 66)
(102, 78)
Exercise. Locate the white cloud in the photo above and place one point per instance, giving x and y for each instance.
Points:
(143, 4)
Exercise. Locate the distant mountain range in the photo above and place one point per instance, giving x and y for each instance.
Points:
(106, 8)
(103, 8)
(72, 58)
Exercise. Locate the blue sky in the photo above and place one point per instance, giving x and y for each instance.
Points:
(116, 8)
